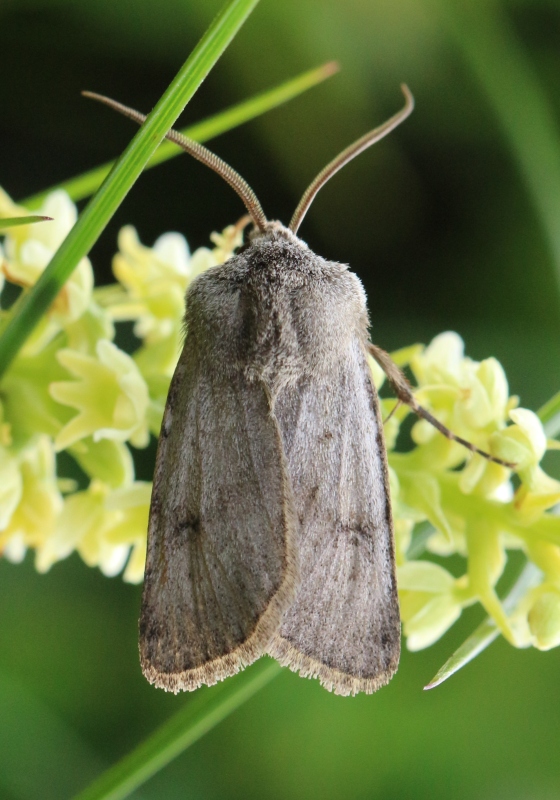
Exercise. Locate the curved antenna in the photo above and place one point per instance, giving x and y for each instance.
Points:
(201, 153)
(347, 155)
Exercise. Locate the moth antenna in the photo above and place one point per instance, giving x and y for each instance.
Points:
(403, 390)
(348, 154)
(201, 153)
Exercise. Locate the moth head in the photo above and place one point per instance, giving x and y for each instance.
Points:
(240, 185)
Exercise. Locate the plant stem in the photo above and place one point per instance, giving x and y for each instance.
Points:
(549, 415)
(487, 631)
(491, 48)
(208, 708)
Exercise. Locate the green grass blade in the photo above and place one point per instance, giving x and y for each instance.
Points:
(487, 631)
(103, 205)
(495, 55)
(206, 710)
(12, 222)
(85, 185)
(549, 415)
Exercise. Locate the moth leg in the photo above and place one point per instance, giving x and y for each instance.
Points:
(392, 411)
(403, 390)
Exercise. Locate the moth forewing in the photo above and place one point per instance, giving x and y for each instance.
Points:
(222, 564)
(344, 625)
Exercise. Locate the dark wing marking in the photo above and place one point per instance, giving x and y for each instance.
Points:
(344, 625)
(221, 565)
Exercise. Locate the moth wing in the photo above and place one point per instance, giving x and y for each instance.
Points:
(221, 565)
(344, 625)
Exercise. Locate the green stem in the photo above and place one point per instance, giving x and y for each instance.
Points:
(208, 708)
(103, 205)
(85, 185)
(549, 415)
(487, 631)
(495, 55)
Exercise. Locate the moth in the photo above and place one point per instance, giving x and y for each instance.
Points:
(270, 526)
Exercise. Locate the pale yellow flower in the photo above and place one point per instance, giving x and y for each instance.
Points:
(110, 395)
(154, 281)
(11, 486)
(30, 500)
(80, 527)
(431, 601)
(228, 240)
(108, 460)
(133, 505)
(107, 528)
(524, 443)
(544, 617)
(29, 248)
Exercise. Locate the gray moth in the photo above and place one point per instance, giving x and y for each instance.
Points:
(270, 526)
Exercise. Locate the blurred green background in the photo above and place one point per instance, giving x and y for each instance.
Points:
(450, 222)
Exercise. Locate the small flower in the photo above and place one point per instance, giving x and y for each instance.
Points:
(27, 404)
(107, 460)
(431, 601)
(229, 239)
(80, 527)
(486, 562)
(154, 281)
(29, 248)
(106, 528)
(524, 443)
(94, 324)
(470, 397)
(30, 500)
(133, 505)
(110, 395)
(441, 362)
(11, 487)
(420, 498)
(544, 617)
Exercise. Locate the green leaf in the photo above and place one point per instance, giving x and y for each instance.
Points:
(85, 185)
(11, 222)
(207, 708)
(29, 309)
(549, 415)
(487, 631)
